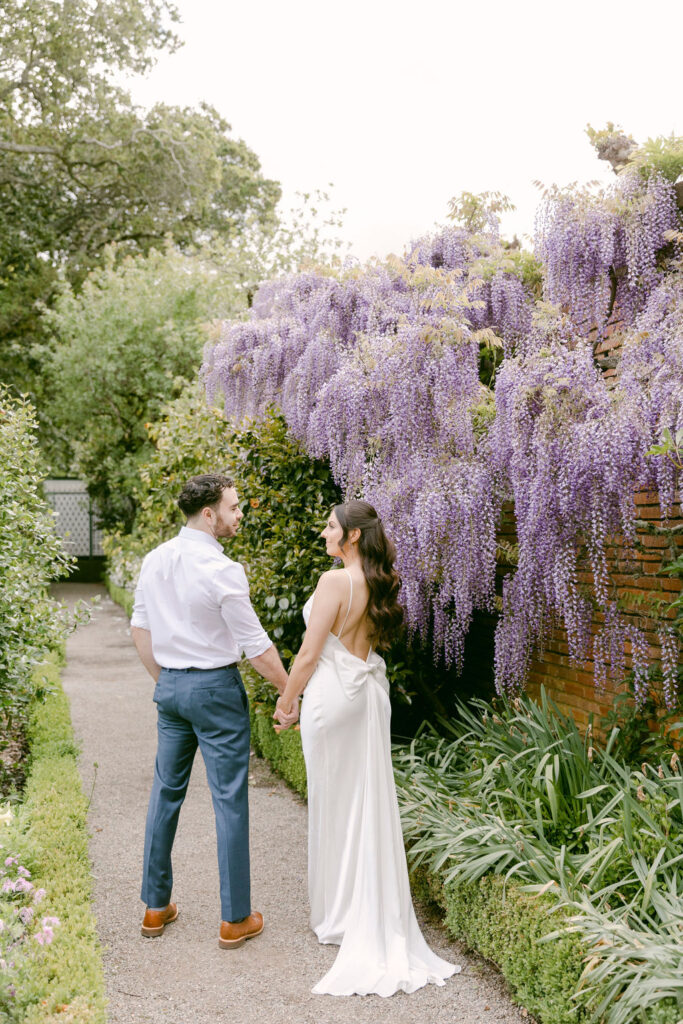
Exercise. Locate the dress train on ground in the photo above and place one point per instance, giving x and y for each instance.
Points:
(358, 877)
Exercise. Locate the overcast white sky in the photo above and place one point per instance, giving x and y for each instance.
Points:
(403, 105)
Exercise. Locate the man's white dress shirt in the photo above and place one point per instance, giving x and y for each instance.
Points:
(195, 602)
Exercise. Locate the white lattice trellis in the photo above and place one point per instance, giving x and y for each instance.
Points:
(75, 517)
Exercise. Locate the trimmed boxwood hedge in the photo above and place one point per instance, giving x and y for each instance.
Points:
(66, 982)
(120, 596)
(508, 926)
(282, 750)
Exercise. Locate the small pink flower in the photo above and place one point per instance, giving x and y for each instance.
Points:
(50, 922)
(8, 885)
(46, 935)
(10, 861)
(39, 895)
(22, 885)
(23, 872)
(26, 914)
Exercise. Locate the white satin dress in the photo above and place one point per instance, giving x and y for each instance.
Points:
(357, 872)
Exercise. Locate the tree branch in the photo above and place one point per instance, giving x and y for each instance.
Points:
(22, 147)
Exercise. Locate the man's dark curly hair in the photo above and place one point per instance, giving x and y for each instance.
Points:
(202, 491)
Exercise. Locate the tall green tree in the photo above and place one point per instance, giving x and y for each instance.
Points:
(127, 342)
(82, 166)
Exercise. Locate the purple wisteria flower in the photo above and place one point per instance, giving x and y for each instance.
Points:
(377, 371)
(601, 248)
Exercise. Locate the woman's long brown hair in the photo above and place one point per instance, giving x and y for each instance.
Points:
(378, 555)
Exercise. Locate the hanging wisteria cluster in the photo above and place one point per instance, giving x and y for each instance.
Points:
(573, 458)
(600, 250)
(498, 290)
(652, 375)
(378, 371)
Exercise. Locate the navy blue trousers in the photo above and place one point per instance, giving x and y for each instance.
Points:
(206, 708)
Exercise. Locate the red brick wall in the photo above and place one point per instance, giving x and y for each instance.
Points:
(608, 350)
(635, 580)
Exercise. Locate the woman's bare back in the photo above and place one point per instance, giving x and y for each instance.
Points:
(356, 627)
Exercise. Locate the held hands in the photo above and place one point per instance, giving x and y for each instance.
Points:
(286, 713)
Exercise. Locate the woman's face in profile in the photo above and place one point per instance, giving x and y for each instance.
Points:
(333, 534)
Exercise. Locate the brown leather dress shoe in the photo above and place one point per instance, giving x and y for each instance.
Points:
(233, 935)
(155, 921)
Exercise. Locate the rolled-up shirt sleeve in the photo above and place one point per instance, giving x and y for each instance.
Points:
(237, 611)
(139, 617)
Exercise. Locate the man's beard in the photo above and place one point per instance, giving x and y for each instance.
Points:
(223, 531)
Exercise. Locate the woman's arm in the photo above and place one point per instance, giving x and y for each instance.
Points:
(330, 593)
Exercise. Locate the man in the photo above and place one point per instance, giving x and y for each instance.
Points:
(191, 622)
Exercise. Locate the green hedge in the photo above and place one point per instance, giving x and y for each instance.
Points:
(31, 557)
(120, 596)
(66, 981)
(282, 750)
(507, 926)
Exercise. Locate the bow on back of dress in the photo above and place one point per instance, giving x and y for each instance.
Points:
(353, 672)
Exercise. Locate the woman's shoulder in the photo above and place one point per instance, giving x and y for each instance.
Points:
(336, 581)
(332, 579)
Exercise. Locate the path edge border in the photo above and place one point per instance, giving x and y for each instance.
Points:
(50, 832)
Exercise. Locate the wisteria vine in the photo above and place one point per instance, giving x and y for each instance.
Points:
(600, 250)
(379, 371)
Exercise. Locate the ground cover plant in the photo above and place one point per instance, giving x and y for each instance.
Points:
(517, 791)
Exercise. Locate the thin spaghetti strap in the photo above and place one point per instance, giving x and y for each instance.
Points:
(349, 608)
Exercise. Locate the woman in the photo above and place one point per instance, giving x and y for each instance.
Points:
(357, 873)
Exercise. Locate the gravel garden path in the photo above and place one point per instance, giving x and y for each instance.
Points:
(183, 977)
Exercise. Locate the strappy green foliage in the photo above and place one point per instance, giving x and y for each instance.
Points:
(518, 792)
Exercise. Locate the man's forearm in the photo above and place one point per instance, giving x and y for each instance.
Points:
(271, 668)
(142, 638)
